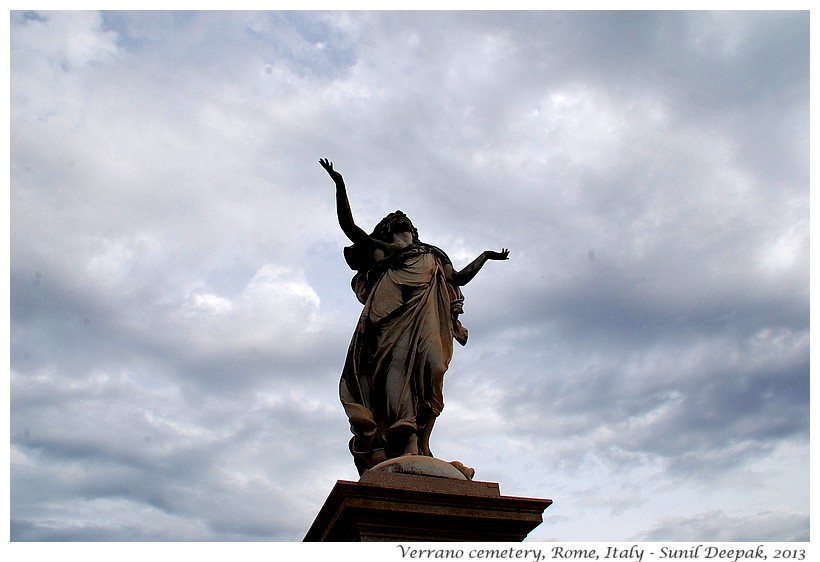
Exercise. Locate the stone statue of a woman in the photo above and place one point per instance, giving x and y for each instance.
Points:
(391, 385)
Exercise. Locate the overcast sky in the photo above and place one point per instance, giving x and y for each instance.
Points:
(181, 310)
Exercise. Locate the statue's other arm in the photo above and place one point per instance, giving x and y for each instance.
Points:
(464, 276)
(353, 232)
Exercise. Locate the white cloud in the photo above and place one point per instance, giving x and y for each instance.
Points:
(277, 311)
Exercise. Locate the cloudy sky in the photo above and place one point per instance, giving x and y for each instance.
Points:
(180, 308)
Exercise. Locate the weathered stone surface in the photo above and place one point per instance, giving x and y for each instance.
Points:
(433, 484)
(424, 466)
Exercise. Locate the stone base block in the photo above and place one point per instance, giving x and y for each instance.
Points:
(386, 506)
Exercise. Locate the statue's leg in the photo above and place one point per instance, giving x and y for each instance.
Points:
(424, 436)
(401, 439)
(412, 447)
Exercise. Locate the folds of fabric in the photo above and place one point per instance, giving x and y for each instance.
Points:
(391, 385)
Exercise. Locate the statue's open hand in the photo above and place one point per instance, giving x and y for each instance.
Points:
(328, 166)
(502, 255)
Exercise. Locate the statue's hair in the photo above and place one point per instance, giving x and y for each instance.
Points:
(382, 230)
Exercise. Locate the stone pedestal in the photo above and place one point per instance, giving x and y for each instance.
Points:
(391, 506)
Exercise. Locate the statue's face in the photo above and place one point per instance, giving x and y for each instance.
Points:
(400, 223)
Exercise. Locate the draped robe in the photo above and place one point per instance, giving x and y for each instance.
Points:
(391, 385)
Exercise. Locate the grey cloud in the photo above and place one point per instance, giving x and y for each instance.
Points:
(180, 308)
(760, 527)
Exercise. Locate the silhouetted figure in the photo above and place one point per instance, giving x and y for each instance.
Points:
(391, 385)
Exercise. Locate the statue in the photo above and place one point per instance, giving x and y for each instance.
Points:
(391, 384)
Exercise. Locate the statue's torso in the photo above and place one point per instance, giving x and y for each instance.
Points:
(401, 282)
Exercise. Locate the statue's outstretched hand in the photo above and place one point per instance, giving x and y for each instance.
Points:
(328, 166)
(502, 255)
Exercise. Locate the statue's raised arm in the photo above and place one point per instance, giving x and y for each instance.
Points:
(461, 278)
(353, 232)
(334, 175)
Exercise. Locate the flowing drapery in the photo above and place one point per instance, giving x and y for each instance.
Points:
(391, 385)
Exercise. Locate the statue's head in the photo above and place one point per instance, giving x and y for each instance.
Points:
(392, 223)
